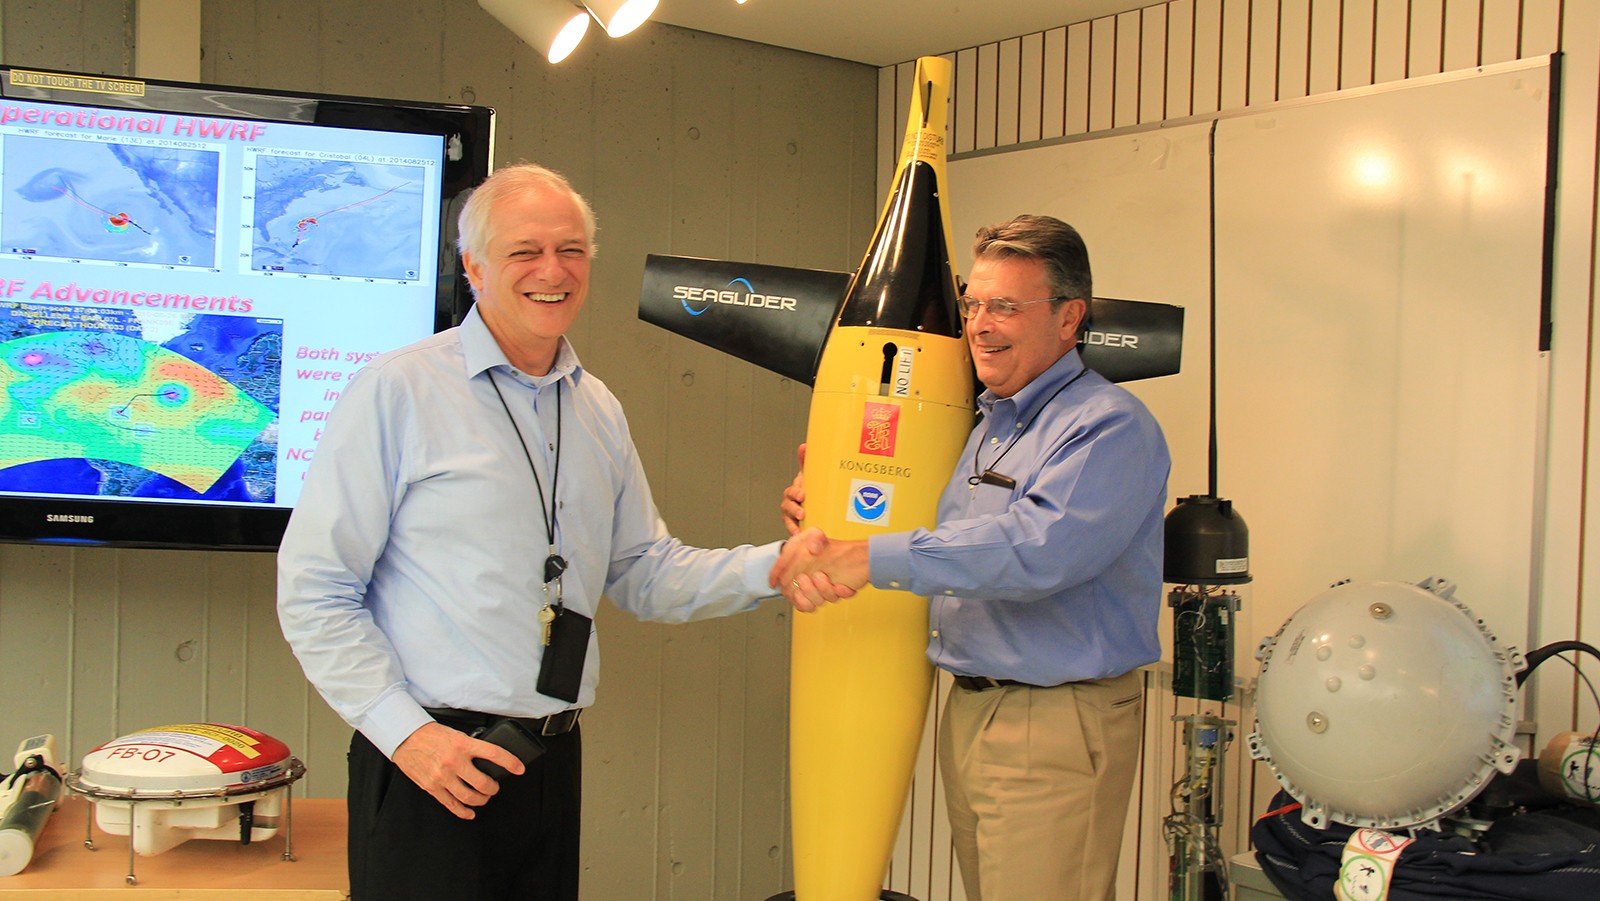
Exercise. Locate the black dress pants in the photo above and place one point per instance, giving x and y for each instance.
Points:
(522, 846)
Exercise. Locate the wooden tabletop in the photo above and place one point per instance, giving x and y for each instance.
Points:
(197, 870)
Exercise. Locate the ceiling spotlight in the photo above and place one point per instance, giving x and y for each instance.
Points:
(552, 27)
(618, 17)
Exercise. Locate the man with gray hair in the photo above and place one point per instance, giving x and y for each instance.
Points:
(1044, 579)
(473, 496)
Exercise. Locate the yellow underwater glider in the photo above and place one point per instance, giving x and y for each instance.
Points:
(892, 404)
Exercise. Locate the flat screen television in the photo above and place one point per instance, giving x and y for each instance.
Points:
(188, 275)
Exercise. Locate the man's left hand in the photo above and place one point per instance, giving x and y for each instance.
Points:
(439, 760)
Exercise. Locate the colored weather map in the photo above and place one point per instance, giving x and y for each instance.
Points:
(103, 411)
(337, 218)
(124, 203)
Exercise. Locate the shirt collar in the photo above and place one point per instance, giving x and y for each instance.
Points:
(1033, 395)
(482, 353)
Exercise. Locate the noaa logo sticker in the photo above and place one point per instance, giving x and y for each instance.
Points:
(869, 502)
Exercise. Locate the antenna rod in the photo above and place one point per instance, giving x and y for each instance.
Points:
(1212, 148)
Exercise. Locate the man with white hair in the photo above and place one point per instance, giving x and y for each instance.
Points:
(472, 497)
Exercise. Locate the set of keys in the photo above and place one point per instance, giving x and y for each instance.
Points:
(554, 566)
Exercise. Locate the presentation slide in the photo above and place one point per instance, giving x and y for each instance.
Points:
(182, 298)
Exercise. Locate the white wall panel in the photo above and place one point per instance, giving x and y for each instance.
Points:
(1327, 41)
(1367, 226)
(1152, 73)
(1079, 84)
(1500, 30)
(1103, 73)
(1426, 54)
(1540, 27)
(1053, 98)
(1206, 87)
(1294, 49)
(1030, 87)
(1180, 58)
(1462, 35)
(1264, 53)
(985, 131)
(964, 101)
(1355, 45)
(1008, 92)
(1126, 71)
(1390, 50)
(1237, 57)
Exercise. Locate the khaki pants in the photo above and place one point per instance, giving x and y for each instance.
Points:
(1037, 781)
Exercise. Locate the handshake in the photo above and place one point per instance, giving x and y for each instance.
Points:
(814, 569)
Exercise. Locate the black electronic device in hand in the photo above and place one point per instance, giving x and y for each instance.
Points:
(514, 737)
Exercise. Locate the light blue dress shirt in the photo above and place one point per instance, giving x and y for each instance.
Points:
(1058, 579)
(411, 574)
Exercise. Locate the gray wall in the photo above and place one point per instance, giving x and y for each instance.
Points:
(686, 143)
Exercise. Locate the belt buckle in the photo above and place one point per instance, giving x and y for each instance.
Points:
(560, 723)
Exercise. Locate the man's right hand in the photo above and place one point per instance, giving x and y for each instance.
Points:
(440, 760)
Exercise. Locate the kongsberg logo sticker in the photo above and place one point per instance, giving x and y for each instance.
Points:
(880, 429)
(869, 502)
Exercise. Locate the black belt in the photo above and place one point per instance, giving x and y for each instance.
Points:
(470, 720)
(984, 683)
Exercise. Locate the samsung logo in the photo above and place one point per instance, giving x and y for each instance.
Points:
(67, 517)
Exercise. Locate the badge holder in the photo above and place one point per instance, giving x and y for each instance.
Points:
(566, 640)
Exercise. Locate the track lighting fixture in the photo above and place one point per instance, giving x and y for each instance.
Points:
(552, 27)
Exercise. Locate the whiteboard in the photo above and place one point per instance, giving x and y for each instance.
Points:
(1378, 277)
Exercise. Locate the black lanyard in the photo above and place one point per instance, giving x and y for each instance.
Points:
(555, 564)
(989, 476)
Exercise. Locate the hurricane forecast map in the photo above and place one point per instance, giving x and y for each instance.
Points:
(107, 200)
(130, 404)
(337, 218)
(184, 296)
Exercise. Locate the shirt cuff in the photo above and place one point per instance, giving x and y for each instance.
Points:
(889, 557)
(758, 566)
(392, 720)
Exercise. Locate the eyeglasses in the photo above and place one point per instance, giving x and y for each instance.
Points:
(998, 307)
